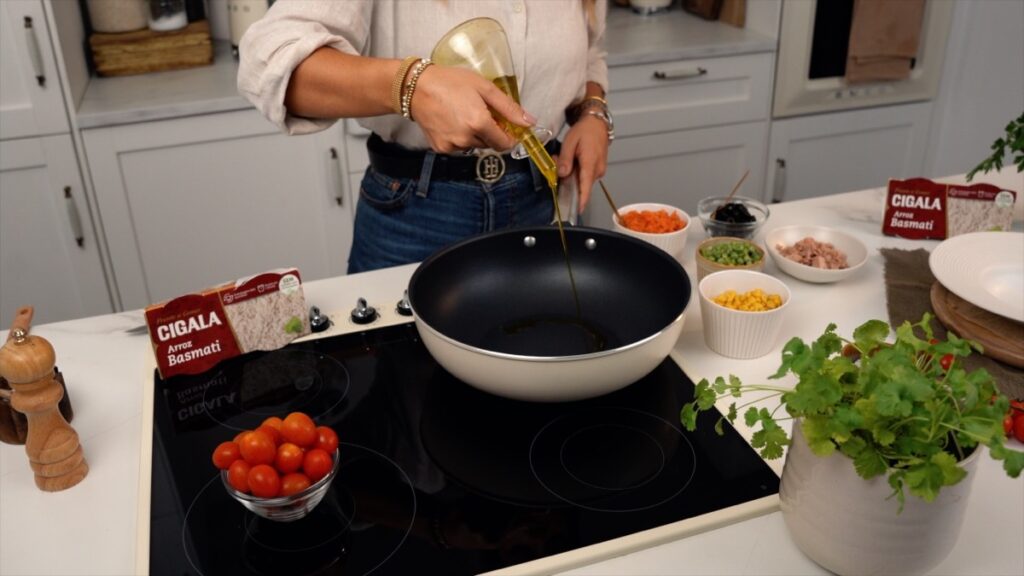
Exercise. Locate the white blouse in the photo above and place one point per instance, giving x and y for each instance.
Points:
(555, 50)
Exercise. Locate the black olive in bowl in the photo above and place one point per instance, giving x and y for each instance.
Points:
(739, 216)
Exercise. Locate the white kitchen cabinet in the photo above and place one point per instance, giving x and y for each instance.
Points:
(190, 202)
(680, 168)
(685, 130)
(31, 102)
(828, 153)
(49, 257)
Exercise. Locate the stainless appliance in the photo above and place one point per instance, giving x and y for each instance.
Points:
(813, 38)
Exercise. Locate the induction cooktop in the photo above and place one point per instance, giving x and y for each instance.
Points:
(434, 476)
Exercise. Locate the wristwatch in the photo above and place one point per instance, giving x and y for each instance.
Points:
(595, 106)
(606, 115)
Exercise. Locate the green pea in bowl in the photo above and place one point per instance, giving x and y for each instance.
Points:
(728, 253)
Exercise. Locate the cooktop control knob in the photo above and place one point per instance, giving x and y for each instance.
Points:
(318, 322)
(404, 308)
(363, 313)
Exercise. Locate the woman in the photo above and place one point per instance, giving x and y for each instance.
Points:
(310, 62)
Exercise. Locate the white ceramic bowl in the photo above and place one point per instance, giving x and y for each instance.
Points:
(735, 333)
(671, 242)
(855, 250)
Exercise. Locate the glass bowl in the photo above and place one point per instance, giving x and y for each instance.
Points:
(285, 508)
(715, 228)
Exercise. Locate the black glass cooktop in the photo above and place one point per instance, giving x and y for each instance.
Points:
(435, 476)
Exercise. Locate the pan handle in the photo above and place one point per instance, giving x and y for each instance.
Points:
(568, 200)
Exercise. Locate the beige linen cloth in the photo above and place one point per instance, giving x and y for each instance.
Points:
(908, 282)
(884, 38)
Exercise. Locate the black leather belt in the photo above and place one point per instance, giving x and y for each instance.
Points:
(399, 162)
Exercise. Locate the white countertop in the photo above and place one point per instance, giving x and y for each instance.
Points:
(91, 528)
(630, 39)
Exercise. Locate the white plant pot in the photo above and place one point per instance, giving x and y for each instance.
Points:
(849, 525)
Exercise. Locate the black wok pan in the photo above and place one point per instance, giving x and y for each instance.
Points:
(498, 311)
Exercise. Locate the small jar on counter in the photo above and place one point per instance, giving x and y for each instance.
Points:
(167, 15)
(116, 16)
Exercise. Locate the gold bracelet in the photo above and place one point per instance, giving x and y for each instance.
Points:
(410, 88)
(399, 81)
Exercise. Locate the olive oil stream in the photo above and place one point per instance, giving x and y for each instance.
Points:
(510, 85)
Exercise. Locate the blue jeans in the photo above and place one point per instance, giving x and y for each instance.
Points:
(404, 220)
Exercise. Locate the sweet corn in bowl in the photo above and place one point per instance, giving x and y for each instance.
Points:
(755, 300)
(742, 312)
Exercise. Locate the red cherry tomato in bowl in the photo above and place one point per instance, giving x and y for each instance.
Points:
(299, 429)
(238, 475)
(264, 481)
(317, 464)
(289, 458)
(327, 439)
(258, 447)
(294, 483)
(224, 454)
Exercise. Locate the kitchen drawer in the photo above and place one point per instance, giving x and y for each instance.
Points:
(680, 168)
(683, 94)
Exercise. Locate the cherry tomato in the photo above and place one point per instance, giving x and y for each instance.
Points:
(327, 439)
(294, 483)
(1008, 425)
(317, 464)
(1018, 427)
(264, 481)
(238, 475)
(946, 362)
(258, 448)
(238, 437)
(289, 458)
(224, 454)
(273, 433)
(299, 429)
(274, 422)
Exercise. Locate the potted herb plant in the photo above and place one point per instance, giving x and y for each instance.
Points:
(885, 438)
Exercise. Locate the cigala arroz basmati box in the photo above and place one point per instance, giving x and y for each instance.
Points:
(192, 333)
(921, 209)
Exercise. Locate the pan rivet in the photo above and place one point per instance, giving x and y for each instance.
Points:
(591, 244)
(529, 241)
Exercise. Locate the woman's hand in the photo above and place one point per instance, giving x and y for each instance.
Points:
(451, 105)
(586, 147)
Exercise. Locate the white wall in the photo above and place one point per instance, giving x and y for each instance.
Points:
(982, 86)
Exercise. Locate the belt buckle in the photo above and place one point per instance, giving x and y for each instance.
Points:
(490, 167)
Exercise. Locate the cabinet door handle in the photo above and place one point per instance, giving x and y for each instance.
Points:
(680, 73)
(74, 217)
(335, 179)
(35, 56)
(779, 189)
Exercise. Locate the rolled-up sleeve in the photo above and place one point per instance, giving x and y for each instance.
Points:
(276, 44)
(597, 63)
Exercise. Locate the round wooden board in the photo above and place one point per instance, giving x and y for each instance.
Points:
(1002, 338)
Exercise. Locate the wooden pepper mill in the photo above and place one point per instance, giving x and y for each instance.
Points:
(52, 445)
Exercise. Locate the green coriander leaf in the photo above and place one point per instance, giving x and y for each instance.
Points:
(869, 462)
(688, 416)
(750, 416)
(731, 414)
(896, 482)
(1013, 461)
(870, 335)
(816, 432)
(718, 427)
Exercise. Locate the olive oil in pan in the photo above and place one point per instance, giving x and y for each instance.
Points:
(556, 335)
(510, 85)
